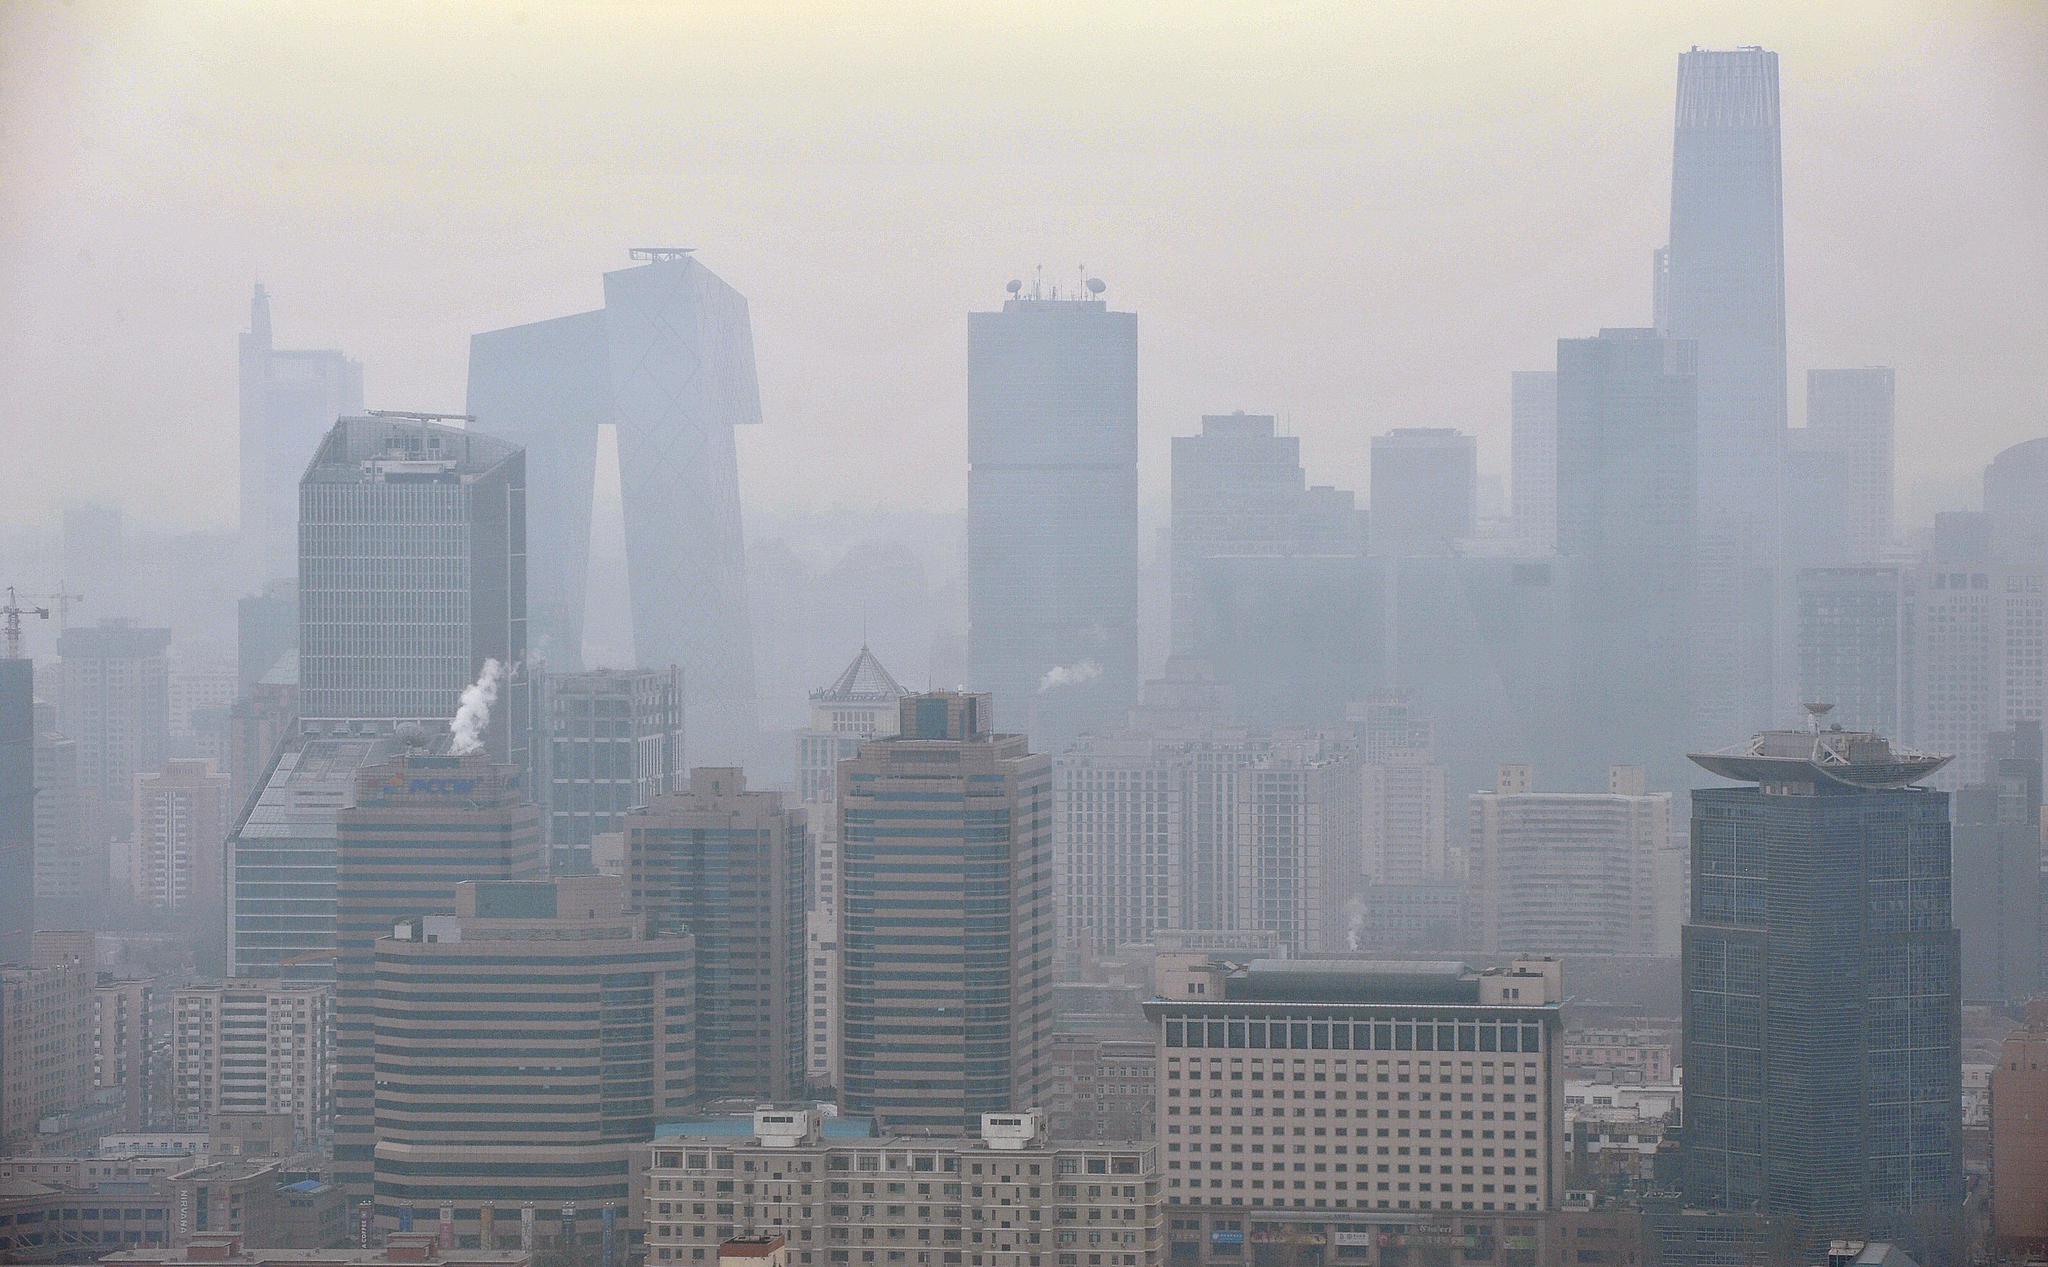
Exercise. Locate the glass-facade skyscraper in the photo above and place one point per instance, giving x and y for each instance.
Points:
(1822, 992)
(1052, 513)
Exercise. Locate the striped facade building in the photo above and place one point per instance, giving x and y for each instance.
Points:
(524, 1049)
(420, 826)
(946, 918)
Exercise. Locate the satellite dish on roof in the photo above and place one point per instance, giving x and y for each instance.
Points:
(1096, 285)
(1014, 286)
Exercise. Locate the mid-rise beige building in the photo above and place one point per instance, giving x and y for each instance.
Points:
(1010, 1198)
(1323, 1103)
(130, 1018)
(181, 830)
(2019, 1138)
(45, 1043)
(253, 1046)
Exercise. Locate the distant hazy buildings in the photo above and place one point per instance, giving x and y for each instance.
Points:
(1998, 881)
(114, 699)
(1572, 873)
(615, 741)
(859, 705)
(947, 919)
(1856, 639)
(1120, 840)
(2016, 503)
(1979, 630)
(668, 362)
(1849, 418)
(1296, 857)
(18, 753)
(1532, 424)
(1052, 512)
(1425, 491)
(726, 863)
(548, 1003)
(71, 867)
(1822, 992)
(288, 401)
(181, 823)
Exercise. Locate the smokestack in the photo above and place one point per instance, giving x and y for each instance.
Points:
(467, 729)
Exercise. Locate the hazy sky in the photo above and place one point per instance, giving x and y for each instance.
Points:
(1356, 216)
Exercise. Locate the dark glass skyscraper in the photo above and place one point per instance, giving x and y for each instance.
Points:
(668, 362)
(1821, 991)
(1052, 513)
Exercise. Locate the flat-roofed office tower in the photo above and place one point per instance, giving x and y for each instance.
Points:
(615, 741)
(1425, 491)
(419, 826)
(727, 863)
(114, 699)
(412, 576)
(1532, 423)
(1822, 1017)
(1997, 882)
(1626, 448)
(1849, 416)
(548, 1002)
(668, 362)
(1052, 512)
(1726, 286)
(946, 914)
(288, 401)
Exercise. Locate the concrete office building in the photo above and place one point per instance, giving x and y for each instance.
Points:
(246, 1046)
(1822, 997)
(615, 741)
(114, 700)
(668, 364)
(45, 1044)
(1997, 885)
(1296, 850)
(181, 825)
(412, 576)
(551, 1004)
(1008, 1194)
(1052, 512)
(1425, 491)
(1436, 1090)
(1119, 841)
(1856, 644)
(1532, 440)
(726, 863)
(18, 753)
(946, 918)
(1103, 1087)
(1573, 873)
(1849, 418)
(288, 401)
(1405, 819)
(419, 825)
(1626, 450)
(1239, 489)
(131, 1020)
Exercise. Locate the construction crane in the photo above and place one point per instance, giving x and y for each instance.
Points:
(61, 602)
(14, 611)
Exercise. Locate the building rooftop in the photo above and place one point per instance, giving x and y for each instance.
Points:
(1833, 757)
(865, 681)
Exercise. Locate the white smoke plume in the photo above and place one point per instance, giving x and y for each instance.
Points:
(1069, 675)
(467, 729)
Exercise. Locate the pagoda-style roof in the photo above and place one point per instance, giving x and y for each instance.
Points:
(865, 681)
(1846, 758)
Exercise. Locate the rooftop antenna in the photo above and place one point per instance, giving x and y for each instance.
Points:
(14, 611)
(659, 254)
(1814, 712)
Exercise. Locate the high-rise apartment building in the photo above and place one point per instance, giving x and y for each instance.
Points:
(1856, 644)
(997, 1194)
(1572, 873)
(526, 1045)
(947, 919)
(288, 401)
(71, 869)
(1997, 885)
(1822, 995)
(727, 864)
(1119, 840)
(668, 363)
(615, 741)
(1425, 491)
(418, 826)
(18, 752)
(412, 577)
(1977, 659)
(1436, 1089)
(1239, 489)
(1052, 512)
(1849, 417)
(131, 1020)
(1626, 453)
(246, 1046)
(114, 699)
(1405, 819)
(181, 827)
(1532, 458)
(1296, 849)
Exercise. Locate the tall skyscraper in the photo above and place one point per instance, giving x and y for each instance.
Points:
(1849, 416)
(727, 864)
(289, 400)
(947, 919)
(1822, 1012)
(114, 699)
(615, 741)
(1425, 491)
(1626, 452)
(17, 807)
(1052, 512)
(1532, 424)
(1856, 644)
(2016, 503)
(1997, 884)
(412, 577)
(419, 826)
(548, 1002)
(668, 363)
